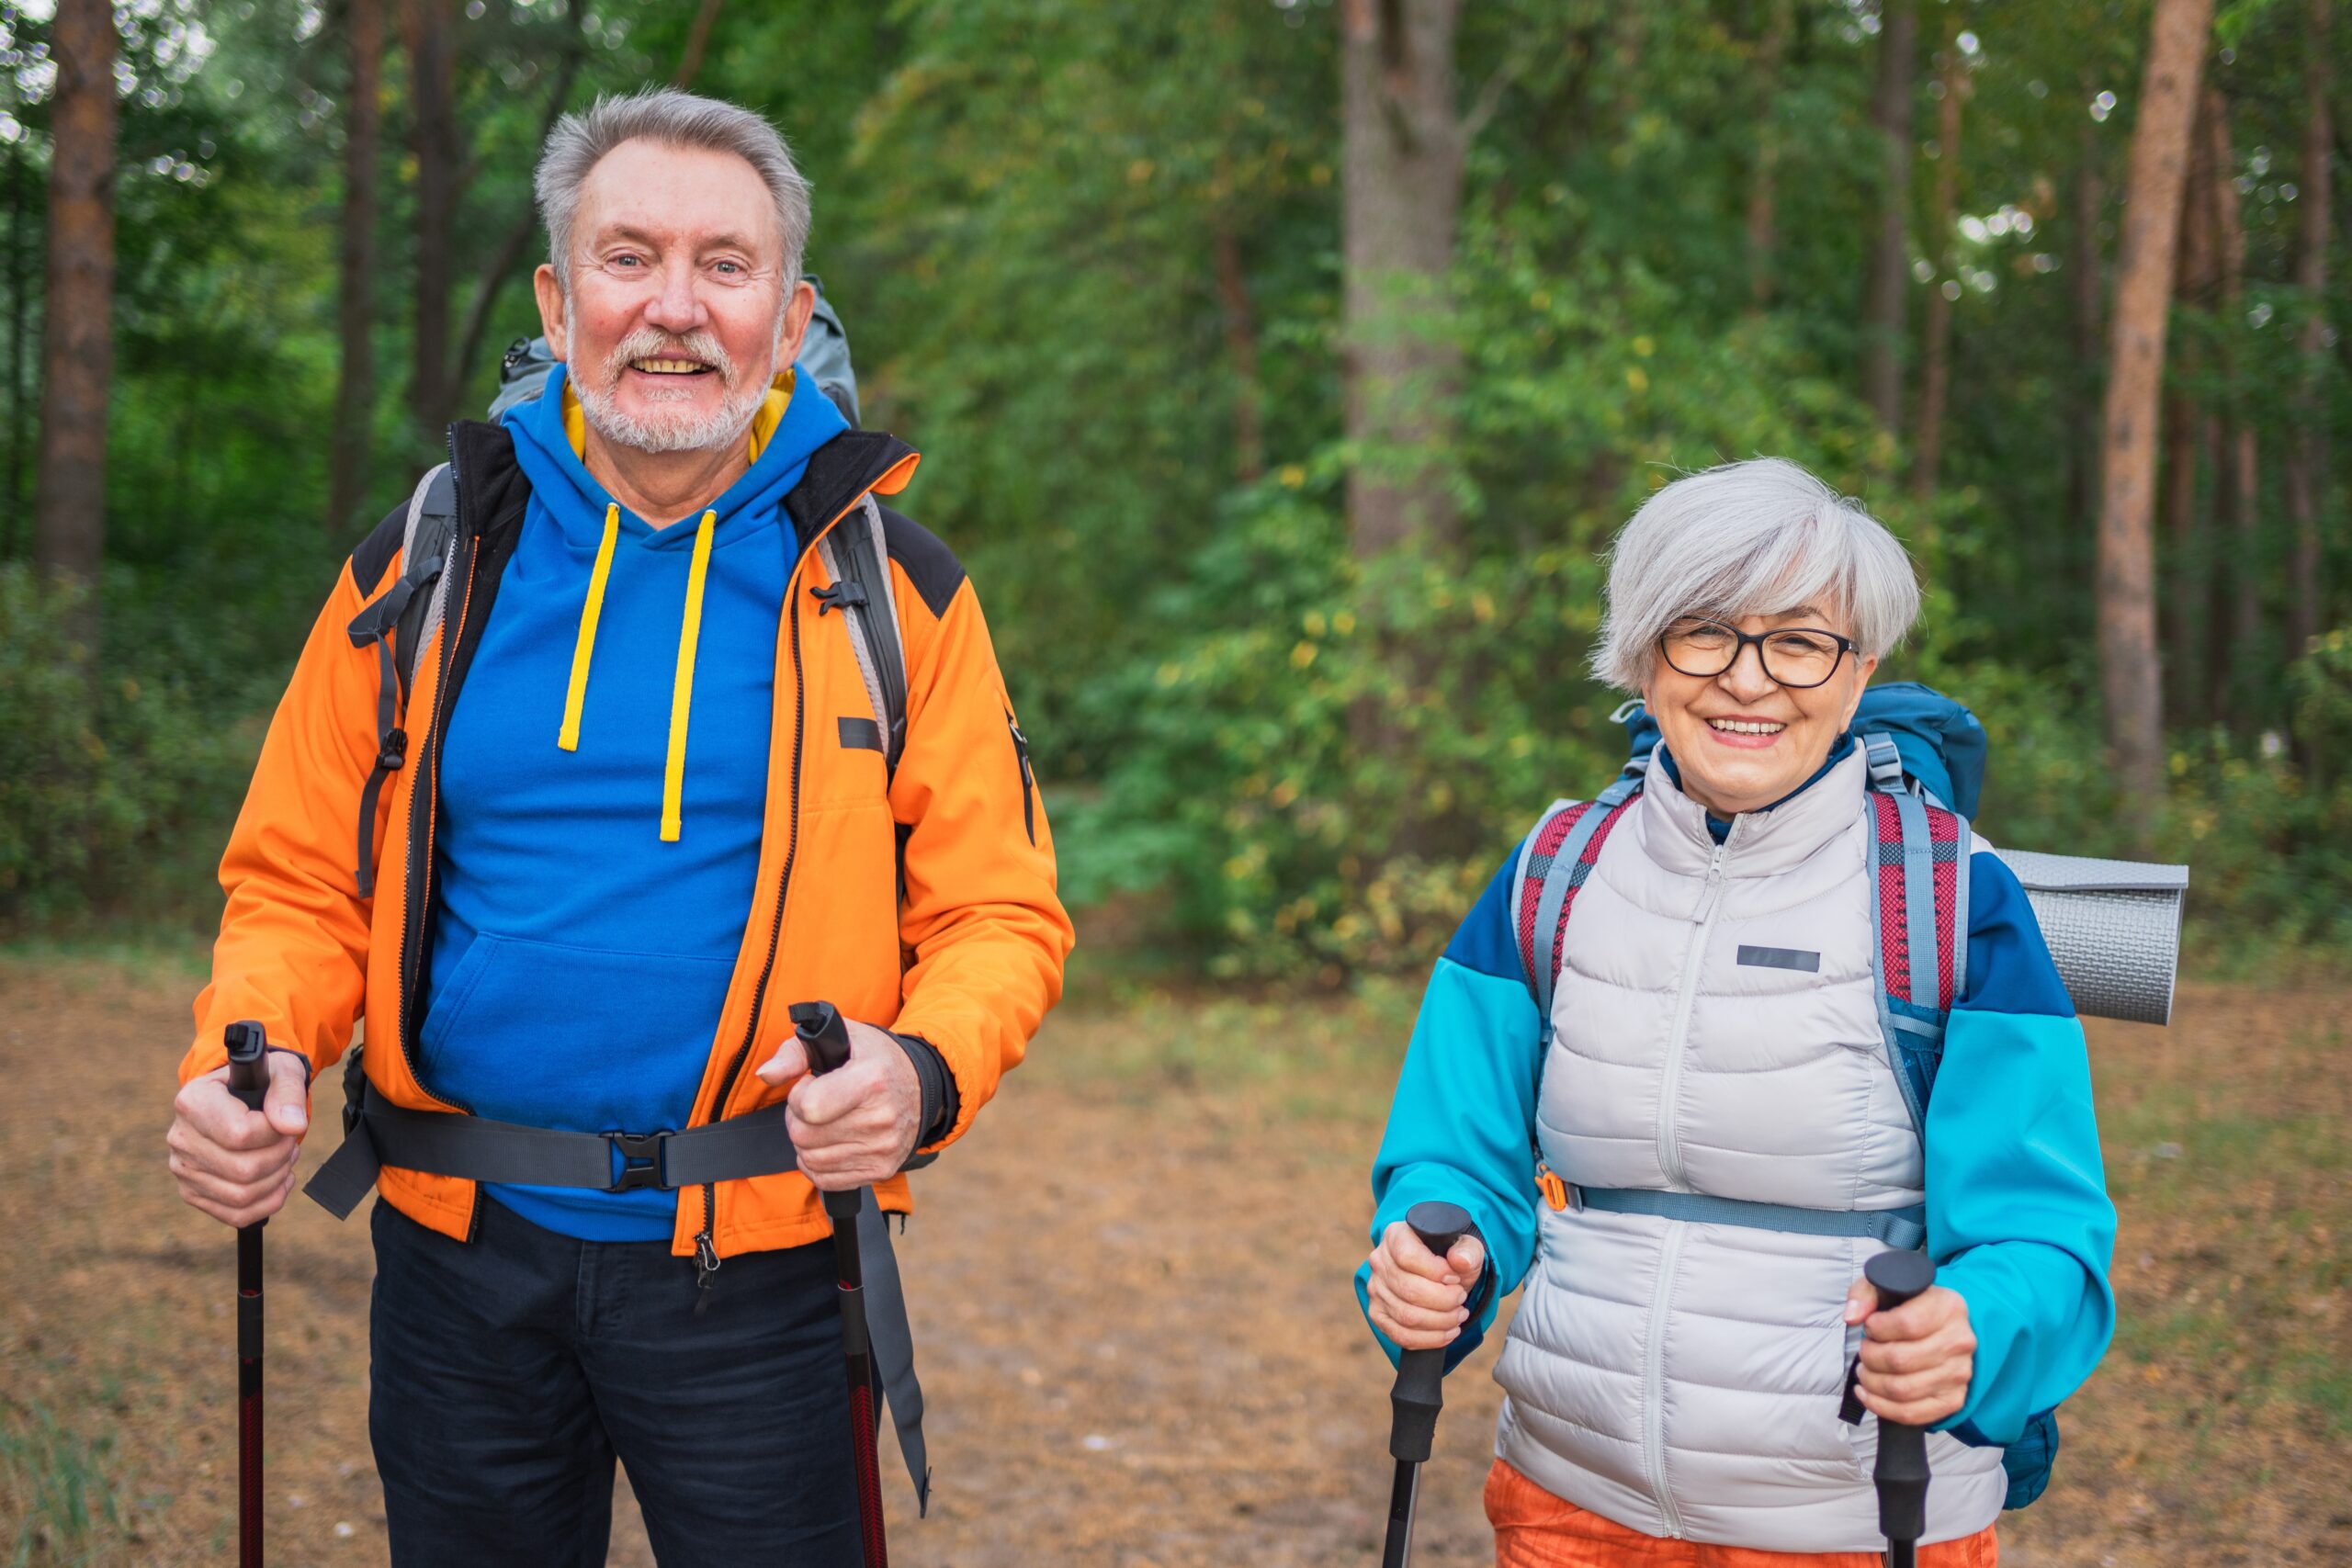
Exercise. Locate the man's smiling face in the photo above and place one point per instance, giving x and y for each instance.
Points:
(676, 316)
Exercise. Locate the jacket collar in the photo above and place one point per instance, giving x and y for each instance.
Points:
(1763, 843)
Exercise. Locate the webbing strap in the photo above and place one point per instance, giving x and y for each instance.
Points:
(1564, 876)
(893, 1342)
(1904, 1229)
(379, 1133)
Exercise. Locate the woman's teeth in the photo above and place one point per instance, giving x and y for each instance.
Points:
(1743, 726)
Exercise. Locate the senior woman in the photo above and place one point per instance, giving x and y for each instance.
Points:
(1673, 1382)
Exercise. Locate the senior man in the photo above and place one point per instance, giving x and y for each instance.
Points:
(639, 803)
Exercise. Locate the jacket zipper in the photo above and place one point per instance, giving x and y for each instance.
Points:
(707, 1259)
(1669, 1144)
(1654, 1381)
(1028, 777)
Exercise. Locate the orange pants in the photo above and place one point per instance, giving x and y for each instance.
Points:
(1535, 1529)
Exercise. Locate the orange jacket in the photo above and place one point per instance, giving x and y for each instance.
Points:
(970, 959)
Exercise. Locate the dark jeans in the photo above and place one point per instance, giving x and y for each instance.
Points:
(506, 1373)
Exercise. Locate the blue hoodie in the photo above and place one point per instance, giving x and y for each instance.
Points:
(591, 893)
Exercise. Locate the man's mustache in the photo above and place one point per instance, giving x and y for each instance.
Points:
(646, 344)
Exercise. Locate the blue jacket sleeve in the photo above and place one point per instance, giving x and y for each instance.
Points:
(1462, 1125)
(2018, 1220)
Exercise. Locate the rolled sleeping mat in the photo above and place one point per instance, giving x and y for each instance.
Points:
(2113, 929)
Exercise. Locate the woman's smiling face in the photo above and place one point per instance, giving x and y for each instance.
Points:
(1741, 739)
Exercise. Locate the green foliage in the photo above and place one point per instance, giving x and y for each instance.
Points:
(107, 795)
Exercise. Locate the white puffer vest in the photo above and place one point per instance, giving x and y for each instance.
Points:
(1682, 1378)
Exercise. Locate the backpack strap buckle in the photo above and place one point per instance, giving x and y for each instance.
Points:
(642, 1161)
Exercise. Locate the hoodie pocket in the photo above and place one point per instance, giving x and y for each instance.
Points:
(588, 1039)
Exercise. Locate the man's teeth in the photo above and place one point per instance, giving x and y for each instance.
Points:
(668, 367)
(1743, 726)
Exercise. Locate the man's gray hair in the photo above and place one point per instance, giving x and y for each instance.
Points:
(1754, 538)
(677, 119)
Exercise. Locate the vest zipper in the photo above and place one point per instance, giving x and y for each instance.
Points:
(1654, 1381)
(1669, 1144)
(707, 1259)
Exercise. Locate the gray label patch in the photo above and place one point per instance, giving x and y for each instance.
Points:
(1780, 958)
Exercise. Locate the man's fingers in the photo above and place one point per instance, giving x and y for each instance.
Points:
(286, 1105)
(790, 1061)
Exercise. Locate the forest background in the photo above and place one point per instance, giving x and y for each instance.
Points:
(1282, 369)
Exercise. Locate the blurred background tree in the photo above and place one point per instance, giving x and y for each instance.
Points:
(1283, 367)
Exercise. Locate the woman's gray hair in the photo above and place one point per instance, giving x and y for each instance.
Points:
(676, 120)
(1754, 538)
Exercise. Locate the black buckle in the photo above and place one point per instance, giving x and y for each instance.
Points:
(842, 596)
(395, 750)
(640, 1160)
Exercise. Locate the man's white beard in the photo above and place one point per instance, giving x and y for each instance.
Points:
(676, 429)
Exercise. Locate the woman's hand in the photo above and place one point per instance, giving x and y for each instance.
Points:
(1917, 1359)
(1417, 1296)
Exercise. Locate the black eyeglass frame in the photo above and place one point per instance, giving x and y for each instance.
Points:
(1846, 645)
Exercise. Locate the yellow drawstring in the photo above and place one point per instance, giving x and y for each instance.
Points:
(569, 736)
(674, 778)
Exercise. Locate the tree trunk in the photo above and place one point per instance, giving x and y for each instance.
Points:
(1890, 257)
(1935, 376)
(428, 29)
(1241, 350)
(2187, 538)
(1779, 21)
(354, 397)
(697, 40)
(2083, 260)
(20, 274)
(2307, 463)
(1402, 201)
(77, 345)
(2241, 473)
(2127, 604)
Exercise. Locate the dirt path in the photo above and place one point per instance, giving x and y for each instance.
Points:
(1131, 1315)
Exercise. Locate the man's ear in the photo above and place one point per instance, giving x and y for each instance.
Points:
(798, 311)
(551, 317)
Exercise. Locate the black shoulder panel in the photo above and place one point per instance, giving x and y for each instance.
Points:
(376, 551)
(929, 564)
(837, 473)
(491, 488)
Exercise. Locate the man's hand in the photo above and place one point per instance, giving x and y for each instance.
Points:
(1418, 1297)
(856, 1124)
(238, 1165)
(1917, 1359)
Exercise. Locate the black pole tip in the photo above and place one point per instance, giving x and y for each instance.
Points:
(1898, 1277)
(248, 1044)
(1439, 1226)
(822, 1033)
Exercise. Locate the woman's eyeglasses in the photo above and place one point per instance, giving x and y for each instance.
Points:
(1796, 656)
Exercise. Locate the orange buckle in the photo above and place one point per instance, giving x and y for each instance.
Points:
(1554, 1191)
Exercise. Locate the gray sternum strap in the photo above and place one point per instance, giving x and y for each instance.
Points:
(1904, 1229)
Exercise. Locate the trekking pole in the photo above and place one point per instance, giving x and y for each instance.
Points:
(249, 1081)
(1901, 1472)
(825, 1037)
(1420, 1391)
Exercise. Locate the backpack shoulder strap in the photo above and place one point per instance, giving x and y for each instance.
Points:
(1919, 867)
(1555, 862)
(857, 556)
(398, 622)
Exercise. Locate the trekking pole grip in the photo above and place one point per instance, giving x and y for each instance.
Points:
(248, 1047)
(1900, 1474)
(824, 1038)
(1420, 1374)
